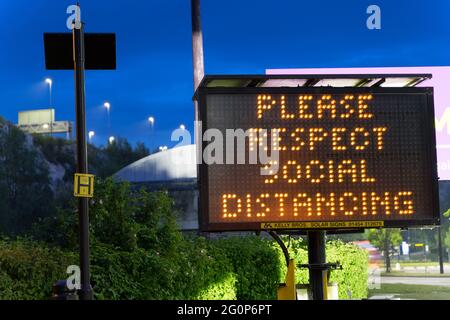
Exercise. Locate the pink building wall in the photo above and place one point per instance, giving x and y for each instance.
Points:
(441, 84)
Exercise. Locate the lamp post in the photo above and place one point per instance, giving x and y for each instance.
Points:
(111, 140)
(107, 106)
(151, 121)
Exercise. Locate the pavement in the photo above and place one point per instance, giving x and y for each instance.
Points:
(423, 269)
(397, 267)
(431, 281)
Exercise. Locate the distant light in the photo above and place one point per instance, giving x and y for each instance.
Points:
(111, 140)
(45, 126)
(48, 81)
(91, 134)
(151, 120)
(163, 148)
(183, 127)
(107, 105)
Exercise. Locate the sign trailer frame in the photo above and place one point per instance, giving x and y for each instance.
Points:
(203, 91)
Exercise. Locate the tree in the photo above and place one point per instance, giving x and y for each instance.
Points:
(447, 239)
(120, 217)
(25, 190)
(385, 240)
(116, 156)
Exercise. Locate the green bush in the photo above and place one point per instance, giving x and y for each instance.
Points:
(28, 269)
(256, 264)
(245, 268)
(202, 271)
(351, 280)
(137, 252)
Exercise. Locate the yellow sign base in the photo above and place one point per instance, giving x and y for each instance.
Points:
(288, 291)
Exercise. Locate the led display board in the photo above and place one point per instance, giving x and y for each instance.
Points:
(326, 158)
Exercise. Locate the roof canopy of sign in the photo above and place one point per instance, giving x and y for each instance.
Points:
(305, 80)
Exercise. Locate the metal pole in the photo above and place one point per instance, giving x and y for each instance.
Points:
(317, 259)
(82, 163)
(198, 65)
(197, 43)
(441, 254)
(51, 100)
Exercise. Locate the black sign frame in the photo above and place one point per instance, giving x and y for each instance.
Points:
(429, 125)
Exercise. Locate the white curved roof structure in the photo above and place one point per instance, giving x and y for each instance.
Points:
(170, 165)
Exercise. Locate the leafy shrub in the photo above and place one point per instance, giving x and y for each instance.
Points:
(28, 269)
(199, 270)
(235, 268)
(118, 274)
(256, 264)
(351, 280)
(137, 252)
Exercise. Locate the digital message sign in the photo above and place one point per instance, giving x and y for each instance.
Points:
(325, 158)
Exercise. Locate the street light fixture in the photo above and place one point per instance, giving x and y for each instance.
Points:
(182, 127)
(151, 120)
(111, 140)
(107, 106)
(91, 135)
(50, 83)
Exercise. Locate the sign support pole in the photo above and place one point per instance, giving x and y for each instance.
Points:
(318, 270)
(82, 163)
(441, 256)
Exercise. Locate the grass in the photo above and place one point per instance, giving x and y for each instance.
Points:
(413, 291)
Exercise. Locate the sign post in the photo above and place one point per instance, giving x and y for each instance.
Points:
(82, 163)
(318, 273)
(65, 51)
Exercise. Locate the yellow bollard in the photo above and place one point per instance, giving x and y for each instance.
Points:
(287, 290)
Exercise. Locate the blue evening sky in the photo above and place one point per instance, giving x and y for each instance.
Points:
(154, 74)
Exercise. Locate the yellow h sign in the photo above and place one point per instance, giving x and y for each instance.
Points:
(84, 185)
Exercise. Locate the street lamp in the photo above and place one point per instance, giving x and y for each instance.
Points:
(111, 140)
(49, 82)
(182, 127)
(91, 135)
(151, 120)
(107, 106)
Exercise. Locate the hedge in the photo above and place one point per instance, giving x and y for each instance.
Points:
(28, 269)
(257, 266)
(352, 279)
(242, 268)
